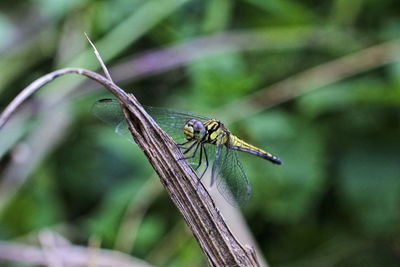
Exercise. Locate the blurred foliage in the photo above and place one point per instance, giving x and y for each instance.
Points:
(334, 202)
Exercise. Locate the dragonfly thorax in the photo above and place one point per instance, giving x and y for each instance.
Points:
(194, 130)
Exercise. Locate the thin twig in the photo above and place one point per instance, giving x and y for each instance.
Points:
(31, 89)
(48, 244)
(97, 54)
(69, 255)
(94, 251)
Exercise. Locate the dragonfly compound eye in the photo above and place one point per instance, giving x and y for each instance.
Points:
(194, 129)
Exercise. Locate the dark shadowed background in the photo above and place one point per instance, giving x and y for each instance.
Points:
(315, 82)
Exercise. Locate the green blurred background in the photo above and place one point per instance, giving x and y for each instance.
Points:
(315, 82)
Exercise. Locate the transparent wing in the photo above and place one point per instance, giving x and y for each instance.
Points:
(108, 110)
(228, 173)
(172, 122)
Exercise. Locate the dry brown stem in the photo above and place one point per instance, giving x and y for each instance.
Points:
(179, 180)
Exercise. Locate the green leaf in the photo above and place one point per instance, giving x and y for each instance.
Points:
(369, 185)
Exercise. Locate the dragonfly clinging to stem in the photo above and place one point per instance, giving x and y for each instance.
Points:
(200, 139)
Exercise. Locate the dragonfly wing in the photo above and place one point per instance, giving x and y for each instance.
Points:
(172, 121)
(217, 164)
(231, 179)
(109, 111)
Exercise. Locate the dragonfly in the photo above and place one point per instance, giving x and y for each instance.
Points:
(200, 140)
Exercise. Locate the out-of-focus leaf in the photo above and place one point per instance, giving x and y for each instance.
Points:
(218, 15)
(105, 222)
(36, 206)
(291, 11)
(5, 32)
(339, 143)
(220, 79)
(344, 96)
(149, 233)
(345, 12)
(190, 255)
(57, 7)
(288, 191)
(369, 184)
(332, 98)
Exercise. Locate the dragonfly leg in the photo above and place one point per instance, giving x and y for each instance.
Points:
(206, 157)
(187, 149)
(195, 150)
(197, 144)
(182, 145)
(200, 157)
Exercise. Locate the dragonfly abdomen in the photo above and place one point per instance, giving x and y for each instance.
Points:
(240, 145)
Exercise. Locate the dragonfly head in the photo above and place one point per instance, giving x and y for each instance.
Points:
(194, 130)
